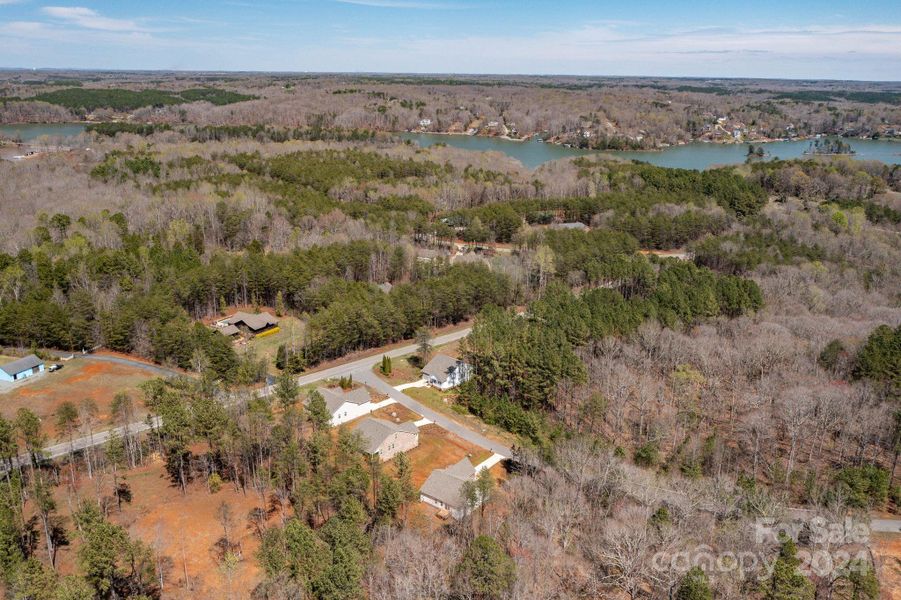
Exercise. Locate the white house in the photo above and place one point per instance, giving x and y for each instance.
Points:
(347, 405)
(386, 438)
(443, 489)
(445, 372)
(22, 368)
(425, 122)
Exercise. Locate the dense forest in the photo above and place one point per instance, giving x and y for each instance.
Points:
(659, 401)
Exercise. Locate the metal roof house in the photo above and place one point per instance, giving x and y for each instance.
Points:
(347, 405)
(443, 489)
(386, 438)
(445, 372)
(21, 368)
(250, 322)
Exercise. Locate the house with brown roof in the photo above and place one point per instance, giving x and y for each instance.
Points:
(243, 322)
(386, 438)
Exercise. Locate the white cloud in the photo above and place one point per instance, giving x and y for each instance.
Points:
(89, 19)
(867, 51)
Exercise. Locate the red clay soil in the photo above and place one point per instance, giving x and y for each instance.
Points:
(77, 381)
(887, 551)
(183, 529)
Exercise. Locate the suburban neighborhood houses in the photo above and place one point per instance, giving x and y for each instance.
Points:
(385, 438)
(445, 372)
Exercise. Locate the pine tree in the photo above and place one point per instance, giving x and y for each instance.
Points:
(694, 586)
(286, 390)
(787, 582)
(317, 411)
(485, 571)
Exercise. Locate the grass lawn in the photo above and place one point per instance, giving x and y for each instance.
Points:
(435, 399)
(78, 380)
(7, 359)
(402, 371)
(267, 345)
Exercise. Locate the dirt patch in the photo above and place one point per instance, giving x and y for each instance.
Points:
(396, 412)
(887, 551)
(182, 529)
(439, 448)
(77, 381)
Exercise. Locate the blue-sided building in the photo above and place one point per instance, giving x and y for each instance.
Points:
(21, 368)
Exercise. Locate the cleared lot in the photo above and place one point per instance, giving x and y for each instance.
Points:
(76, 381)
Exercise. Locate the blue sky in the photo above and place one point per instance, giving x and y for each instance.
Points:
(725, 38)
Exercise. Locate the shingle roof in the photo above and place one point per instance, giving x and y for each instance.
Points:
(376, 431)
(252, 321)
(439, 366)
(445, 485)
(229, 330)
(335, 397)
(23, 364)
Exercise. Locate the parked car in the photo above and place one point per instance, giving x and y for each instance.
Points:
(55, 367)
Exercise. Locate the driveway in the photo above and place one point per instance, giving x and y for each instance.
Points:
(376, 383)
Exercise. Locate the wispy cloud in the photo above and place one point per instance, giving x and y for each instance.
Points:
(403, 4)
(89, 19)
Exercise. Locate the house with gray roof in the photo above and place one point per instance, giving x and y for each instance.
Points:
(21, 369)
(444, 488)
(346, 405)
(445, 372)
(252, 323)
(386, 438)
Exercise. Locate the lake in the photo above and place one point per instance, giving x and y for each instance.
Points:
(30, 131)
(696, 155)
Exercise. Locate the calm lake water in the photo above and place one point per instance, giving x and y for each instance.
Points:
(697, 155)
(32, 131)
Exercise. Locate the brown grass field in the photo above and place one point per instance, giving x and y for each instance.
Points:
(396, 412)
(439, 448)
(75, 382)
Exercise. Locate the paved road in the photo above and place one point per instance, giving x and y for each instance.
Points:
(376, 383)
(356, 368)
(886, 525)
(366, 364)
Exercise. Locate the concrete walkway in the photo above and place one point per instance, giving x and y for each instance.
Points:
(489, 462)
(376, 383)
(413, 384)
